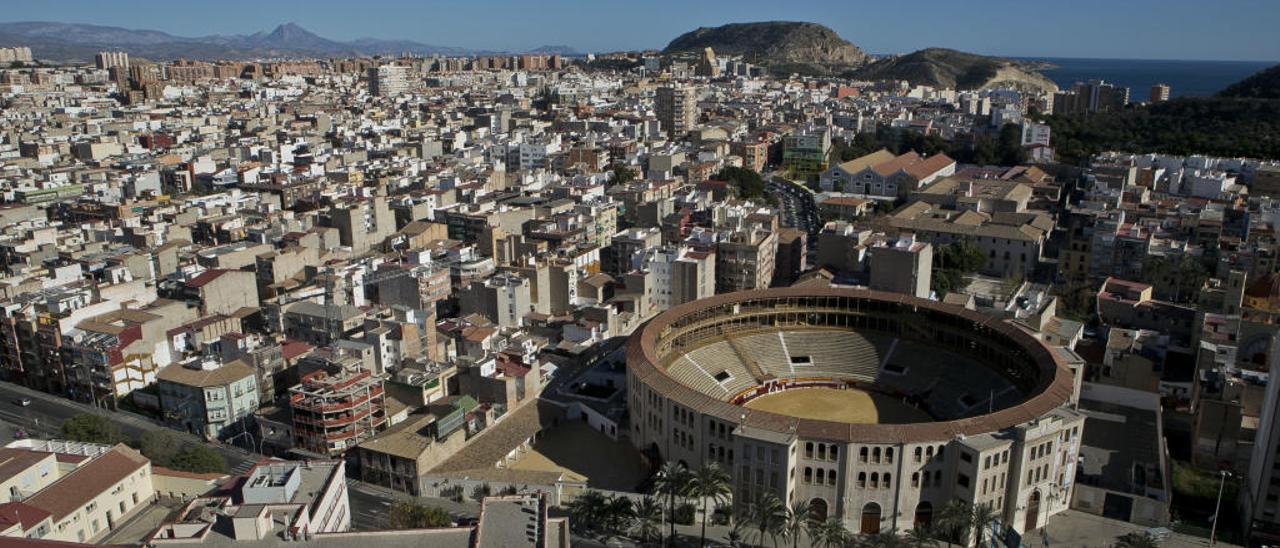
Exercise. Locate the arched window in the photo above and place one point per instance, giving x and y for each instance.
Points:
(820, 476)
(822, 451)
(808, 450)
(831, 477)
(919, 452)
(875, 455)
(888, 455)
(888, 480)
(862, 479)
(875, 480)
(915, 479)
(808, 474)
(818, 510)
(862, 454)
(924, 514)
(834, 455)
(928, 452)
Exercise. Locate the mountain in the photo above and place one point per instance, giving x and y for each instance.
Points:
(780, 45)
(564, 51)
(948, 68)
(1263, 85)
(79, 42)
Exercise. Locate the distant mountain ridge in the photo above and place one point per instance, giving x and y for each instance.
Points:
(79, 42)
(780, 45)
(948, 68)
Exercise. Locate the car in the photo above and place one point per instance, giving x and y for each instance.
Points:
(23, 401)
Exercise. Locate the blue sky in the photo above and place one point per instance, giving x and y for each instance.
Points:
(1145, 29)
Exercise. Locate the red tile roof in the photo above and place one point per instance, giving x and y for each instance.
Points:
(206, 277)
(89, 480)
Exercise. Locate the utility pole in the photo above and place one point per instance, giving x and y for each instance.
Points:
(1217, 508)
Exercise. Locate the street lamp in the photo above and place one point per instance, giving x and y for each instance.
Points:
(1217, 508)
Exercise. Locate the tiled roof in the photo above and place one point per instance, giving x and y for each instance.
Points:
(90, 480)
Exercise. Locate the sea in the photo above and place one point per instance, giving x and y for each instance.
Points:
(1185, 78)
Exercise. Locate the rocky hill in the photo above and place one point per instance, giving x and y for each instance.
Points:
(781, 45)
(948, 68)
(1263, 85)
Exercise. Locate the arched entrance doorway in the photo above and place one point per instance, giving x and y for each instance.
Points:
(924, 514)
(818, 510)
(1033, 512)
(870, 519)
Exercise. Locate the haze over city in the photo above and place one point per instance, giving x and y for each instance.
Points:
(1139, 29)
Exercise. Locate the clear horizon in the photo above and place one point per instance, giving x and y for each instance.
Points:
(1091, 29)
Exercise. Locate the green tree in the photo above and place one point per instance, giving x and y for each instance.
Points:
(769, 514)
(90, 428)
(952, 262)
(799, 518)
(1136, 540)
(955, 521)
(710, 483)
(161, 446)
(749, 184)
(586, 510)
(617, 515)
(1178, 278)
(885, 539)
(829, 534)
(623, 175)
(671, 482)
(479, 492)
(648, 519)
(200, 459)
(412, 515)
(920, 537)
(980, 518)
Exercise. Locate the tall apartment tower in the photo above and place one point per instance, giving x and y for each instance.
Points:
(388, 80)
(677, 108)
(1262, 509)
(110, 59)
(1159, 93)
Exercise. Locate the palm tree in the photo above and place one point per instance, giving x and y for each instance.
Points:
(584, 510)
(648, 519)
(980, 519)
(954, 520)
(710, 483)
(770, 516)
(735, 536)
(885, 540)
(829, 534)
(1136, 540)
(797, 522)
(921, 537)
(616, 514)
(671, 481)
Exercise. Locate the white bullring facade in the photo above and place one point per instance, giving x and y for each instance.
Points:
(1001, 428)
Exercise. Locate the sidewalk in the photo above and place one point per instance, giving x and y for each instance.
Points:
(1081, 530)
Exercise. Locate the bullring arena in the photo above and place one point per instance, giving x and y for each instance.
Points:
(875, 408)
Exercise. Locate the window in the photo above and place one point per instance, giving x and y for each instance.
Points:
(962, 480)
(862, 454)
(888, 479)
(822, 451)
(833, 453)
(915, 479)
(888, 455)
(918, 452)
(831, 477)
(862, 479)
(808, 450)
(808, 474)
(875, 455)
(875, 480)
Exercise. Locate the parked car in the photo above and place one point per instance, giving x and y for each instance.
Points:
(23, 401)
